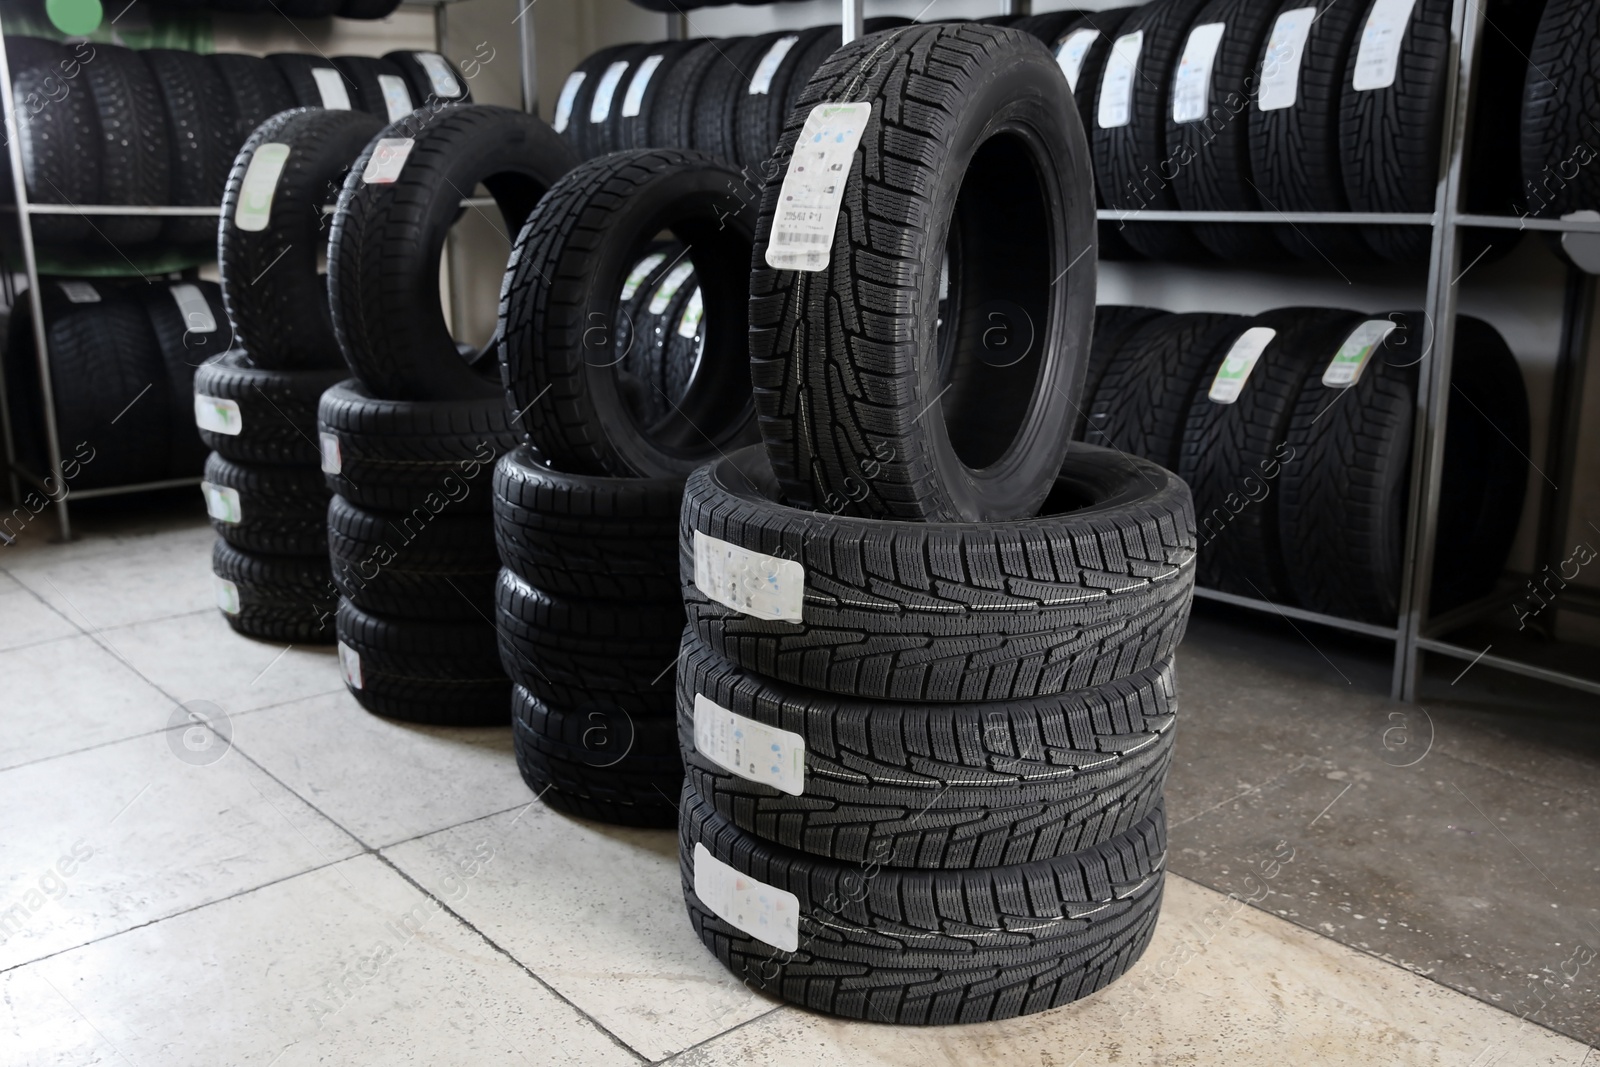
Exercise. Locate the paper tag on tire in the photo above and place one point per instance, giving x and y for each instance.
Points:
(1239, 362)
(1073, 51)
(1378, 54)
(753, 750)
(633, 99)
(1191, 86)
(814, 186)
(1286, 51)
(441, 76)
(330, 86)
(763, 911)
(350, 664)
(254, 211)
(218, 415)
(1354, 354)
(388, 159)
(396, 96)
(1116, 85)
(197, 316)
(767, 69)
(332, 461)
(79, 292)
(227, 595)
(600, 106)
(749, 582)
(569, 93)
(222, 502)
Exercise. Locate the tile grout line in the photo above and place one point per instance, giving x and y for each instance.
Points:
(775, 1009)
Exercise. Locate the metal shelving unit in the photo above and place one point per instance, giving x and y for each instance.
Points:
(25, 211)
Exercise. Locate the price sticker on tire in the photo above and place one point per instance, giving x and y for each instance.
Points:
(751, 583)
(814, 185)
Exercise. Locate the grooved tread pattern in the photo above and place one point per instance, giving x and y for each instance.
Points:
(136, 164)
(281, 598)
(277, 409)
(255, 89)
(1113, 325)
(282, 510)
(420, 565)
(1560, 110)
(57, 132)
(200, 126)
(436, 673)
(184, 347)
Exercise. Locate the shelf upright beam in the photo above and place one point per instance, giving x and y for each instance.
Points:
(527, 58)
(1433, 377)
(41, 343)
(852, 22)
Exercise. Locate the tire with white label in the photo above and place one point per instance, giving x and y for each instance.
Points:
(561, 299)
(432, 78)
(1342, 515)
(275, 511)
(1234, 451)
(1047, 27)
(573, 107)
(1132, 105)
(672, 110)
(582, 537)
(61, 154)
(572, 653)
(191, 326)
(396, 455)
(1094, 590)
(644, 93)
(985, 784)
(273, 229)
(253, 415)
(434, 673)
(368, 93)
(716, 102)
(598, 762)
(200, 128)
(1143, 397)
(913, 947)
(1084, 44)
(1113, 324)
(1210, 146)
(764, 100)
(314, 81)
(1390, 134)
(419, 564)
(398, 204)
(135, 150)
(968, 419)
(275, 598)
(255, 89)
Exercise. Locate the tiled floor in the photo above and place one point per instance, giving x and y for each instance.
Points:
(324, 886)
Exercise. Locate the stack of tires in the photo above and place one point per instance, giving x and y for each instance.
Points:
(926, 698)
(407, 446)
(626, 359)
(256, 405)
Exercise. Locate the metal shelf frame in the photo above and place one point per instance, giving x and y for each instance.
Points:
(25, 211)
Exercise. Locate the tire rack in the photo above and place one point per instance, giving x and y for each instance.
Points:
(25, 211)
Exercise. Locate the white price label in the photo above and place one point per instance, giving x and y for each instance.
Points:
(760, 910)
(331, 459)
(1240, 361)
(693, 312)
(79, 292)
(600, 106)
(639, 273)
(388, 159)
(749, 582)
(197, 316)
(1116, 85)
(350, 664)
(569, 93)
(330, 86)
(1191, 88)
(767, 69)
(218, 415)
(227, 595)
(222, 502)
(440, 75)
(1286, 51)
(814, 185)
(1071, 53)
(633, 99)
(669, 287)
(753, 750)
(1346, 368)
(396, 96)
(1378, 55)
(254, 211)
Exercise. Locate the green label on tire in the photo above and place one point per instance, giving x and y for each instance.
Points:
(254, 212)
(1346, 368)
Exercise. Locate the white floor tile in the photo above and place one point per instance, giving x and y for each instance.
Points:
(98, 842)
(382, 780)
(348, 965)
(595, 911)
(25, 619)
(104, 582)
(1222, 983)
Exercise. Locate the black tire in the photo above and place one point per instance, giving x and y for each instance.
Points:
(273, 511)
(1295, 153)
(606, 133)
(361, 74)
(645, 92)
(397, 455)
(566, 275)
(112, 402)
(276, 299)
(759, 115)
(275, 598)
(200, 127)
(1130, 161)
(190, 326)
(586, 538)
(967, 785)
(1211, 154)
(933, 947)
(435, 673)
(136, 160)
(418, 565)
(1390, 137)
(956, 612)
(850, 363)
(314, 81)
(430, 76)
(260, 416)
(672, 112)
(305, 9)
(1560, 109)
(598, 763)
(1143, 397)
(571, 118)
(1233, 453)
(383, 253)
(1113, 324)
(367, 9)
(255, 89)
(716, 101)
(1092, 64)
(55, 119)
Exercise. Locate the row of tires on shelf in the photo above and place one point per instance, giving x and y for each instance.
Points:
(103, 124)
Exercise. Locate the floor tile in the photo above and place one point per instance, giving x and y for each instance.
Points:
(382, 780)
(104, 582)
(347, 965)
(1222, 983)
(25, 619)
(101, 841)
(595, 911)
(70, 694)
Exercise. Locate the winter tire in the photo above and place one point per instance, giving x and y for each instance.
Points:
(191, 326)
(252, 415)
(275, 511)
(417, 565)
(435, 673)
(136, 161)
(275, 598)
